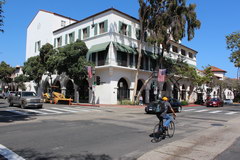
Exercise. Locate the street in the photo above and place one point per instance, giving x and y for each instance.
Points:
(106, 132)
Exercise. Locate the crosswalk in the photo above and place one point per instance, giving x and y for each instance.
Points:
(210, 111)
(51, 111)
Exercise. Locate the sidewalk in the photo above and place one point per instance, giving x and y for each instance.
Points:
(123, 106)
(204, 145)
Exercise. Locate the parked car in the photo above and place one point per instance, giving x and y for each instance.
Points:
(228, 101)
(8, 93)
(26, 99)
(176, 105)
(215, 102)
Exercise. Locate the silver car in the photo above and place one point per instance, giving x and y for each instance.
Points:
(25, 99)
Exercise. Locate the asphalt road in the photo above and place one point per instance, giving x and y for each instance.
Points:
(96, 133)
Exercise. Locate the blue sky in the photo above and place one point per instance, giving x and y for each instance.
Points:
(218, 18)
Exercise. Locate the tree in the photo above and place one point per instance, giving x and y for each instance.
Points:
(165, 20)
(34, 69)
(233, 44)
(2, 2)
(71, 60)
(19, 80)
(5, 72)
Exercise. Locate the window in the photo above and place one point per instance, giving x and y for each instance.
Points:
(175, 49)
(183, 52)
(101, 27)
(123, 28)
(59, 42)
(102, 57)
(37, 46)
(190, 55)
(122, 58)
(131, 60)
(63, 23)
(71, 37)
(86, 32)
(138, 32)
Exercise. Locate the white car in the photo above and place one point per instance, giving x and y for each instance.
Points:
(228, 101)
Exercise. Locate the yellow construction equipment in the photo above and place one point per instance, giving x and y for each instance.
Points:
(60, 98)
(56, 98)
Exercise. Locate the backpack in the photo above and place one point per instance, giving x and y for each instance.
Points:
(160, 107)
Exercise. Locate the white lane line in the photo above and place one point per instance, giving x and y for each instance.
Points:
(8, 154)
(66, 110)
(87, 110)
(18, 112)
(215, 112)
(202, 110)
(189, 110)
(229, 113)
(52, 111)
(36, 111)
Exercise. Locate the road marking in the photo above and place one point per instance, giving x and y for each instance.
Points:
(8, 154)
(229, 113)
(66, 110)
(215, 112)
(203, 110)
(48, 110)
(18, 112)
(189, 110)
(36, 111)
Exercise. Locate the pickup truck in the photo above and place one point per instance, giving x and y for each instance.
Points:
(25, 99)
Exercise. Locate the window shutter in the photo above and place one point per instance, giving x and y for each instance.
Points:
(55, 42)
(105, 25)
(66, 39)
(61, 41)
(35, 47)
(129, 30)
(138, 34)
(120, 27)
(79, 34)
(95, 29)
(73, 37)
(88, 31)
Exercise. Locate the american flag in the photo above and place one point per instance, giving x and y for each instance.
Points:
(89, 69)
(161, 75)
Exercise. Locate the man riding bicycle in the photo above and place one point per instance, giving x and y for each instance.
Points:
(163, 114)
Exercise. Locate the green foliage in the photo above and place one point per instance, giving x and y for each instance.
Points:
(233, 44)
(5, 72)
(71, 60)
(21, 78)
(2, 2)
(34, 68)
(184, 103)
(127, 102)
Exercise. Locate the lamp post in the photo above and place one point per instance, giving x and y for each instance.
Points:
(94, 85)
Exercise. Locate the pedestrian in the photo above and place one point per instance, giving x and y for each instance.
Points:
(141, 100)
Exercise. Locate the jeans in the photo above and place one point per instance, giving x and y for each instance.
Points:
(168, 120)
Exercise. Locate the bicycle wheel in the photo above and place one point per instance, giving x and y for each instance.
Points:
(171, 129)
(157, 132)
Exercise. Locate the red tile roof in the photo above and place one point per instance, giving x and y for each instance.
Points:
(215, 69)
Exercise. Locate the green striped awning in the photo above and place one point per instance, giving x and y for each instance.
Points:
(124, 48)
(97, 48)
(150, 54)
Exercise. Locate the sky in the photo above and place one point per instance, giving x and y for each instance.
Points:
(218, 19)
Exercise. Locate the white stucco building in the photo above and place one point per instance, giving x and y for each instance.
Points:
(111, 37)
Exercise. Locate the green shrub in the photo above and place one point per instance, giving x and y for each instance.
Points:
(126, 102)
(184, 103)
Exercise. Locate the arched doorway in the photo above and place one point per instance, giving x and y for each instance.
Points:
(183, 97)
(175, 92)
(56, 87)
(69, 89)
(139, 86)
(46, 88)
(83, 91)
(123, 91)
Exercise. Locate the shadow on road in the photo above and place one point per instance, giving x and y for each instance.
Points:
(7, 117)
(30, 154)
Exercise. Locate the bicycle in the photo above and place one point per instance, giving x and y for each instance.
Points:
(159, 133)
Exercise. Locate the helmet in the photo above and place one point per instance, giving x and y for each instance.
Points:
(165, 99)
